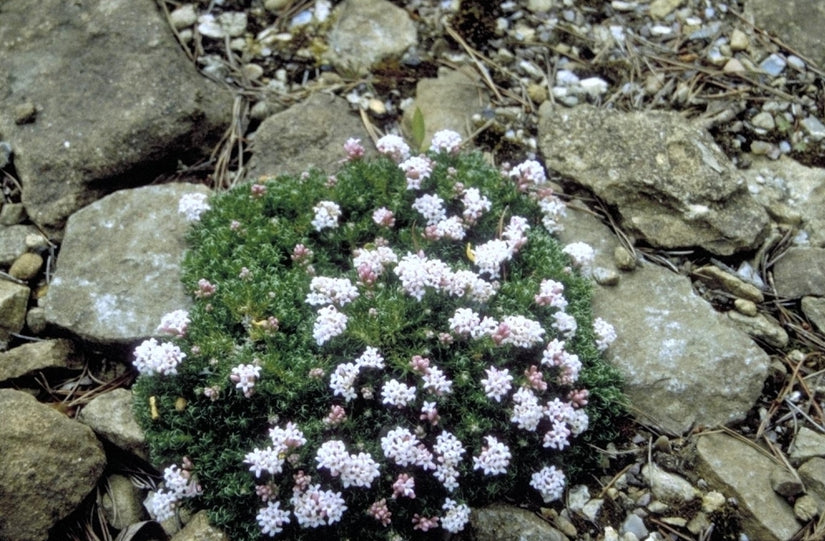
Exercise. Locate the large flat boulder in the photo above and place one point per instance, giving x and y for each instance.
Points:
(118, 271)
(114, 100)
(669, 181)
(684, 364)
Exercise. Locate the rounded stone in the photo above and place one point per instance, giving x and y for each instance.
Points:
(624, 259)
(26, 266)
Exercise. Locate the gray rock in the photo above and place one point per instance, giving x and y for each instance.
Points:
(739, 470)
(199, 529)
(814, 127)
(183, 16)
(773, 65)
(308, 134)
(812, 473)
(785, 483)
(763, 120)
(13, 301)
(48, 464)
(668, 487)
(110, 416)
(121, 502)
(12, 213)
(116, 99)
(13, 242)
(683, 363)
(29, 358)
(635, 525)
(500, 522)
(366, 31)
(789, 184)
(794, 21)
(118, 271)
(806, 508)
(716, 277)
(26, 267)
(799, 272)
(807, 444)
(447, 103)
(761, 328)
(814, 309)
(668, 179)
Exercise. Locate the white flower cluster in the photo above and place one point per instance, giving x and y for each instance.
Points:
(342, 379)
(244, 376)
(394, 147)
(178, 485)
(329, 324)
(272, 518)
(582, 255)
(494, 457)
(355, 470)
(568, 363)
(549, 481)
(395, 393)
(431, 207)
(417, 272)
(152, 357)
(416, 169)
(192, 205)
(529, 172)
(497, 383)
(553, 210)
(456, 516)
(514, 330)
(271, 458)
(326, 215)
(324, 290)
(551, 293)
(605, 333)
(475, 205)
(403, 447)
(375, 260)
(314, 507)
(448, 450)
(174, 323)
(446, 141)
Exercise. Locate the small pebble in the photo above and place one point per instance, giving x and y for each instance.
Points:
(760, 148)
(764, 120)
(276, 5)
(5, 153)
(605, 277)
(773, 65)
(36, 320)
(537, 93)
(624, 259)
(26, 267)
(796, 63)
(806, 508)
(738, 40)
(814, 127)
(733, 66)
(745, 307)
(635, 525)
(25, 113)
(12, 213)
(183, 16)
(253, 72)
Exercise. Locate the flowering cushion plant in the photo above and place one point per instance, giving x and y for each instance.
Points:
(376, 351)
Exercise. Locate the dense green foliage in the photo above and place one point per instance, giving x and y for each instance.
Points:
(244, 245)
